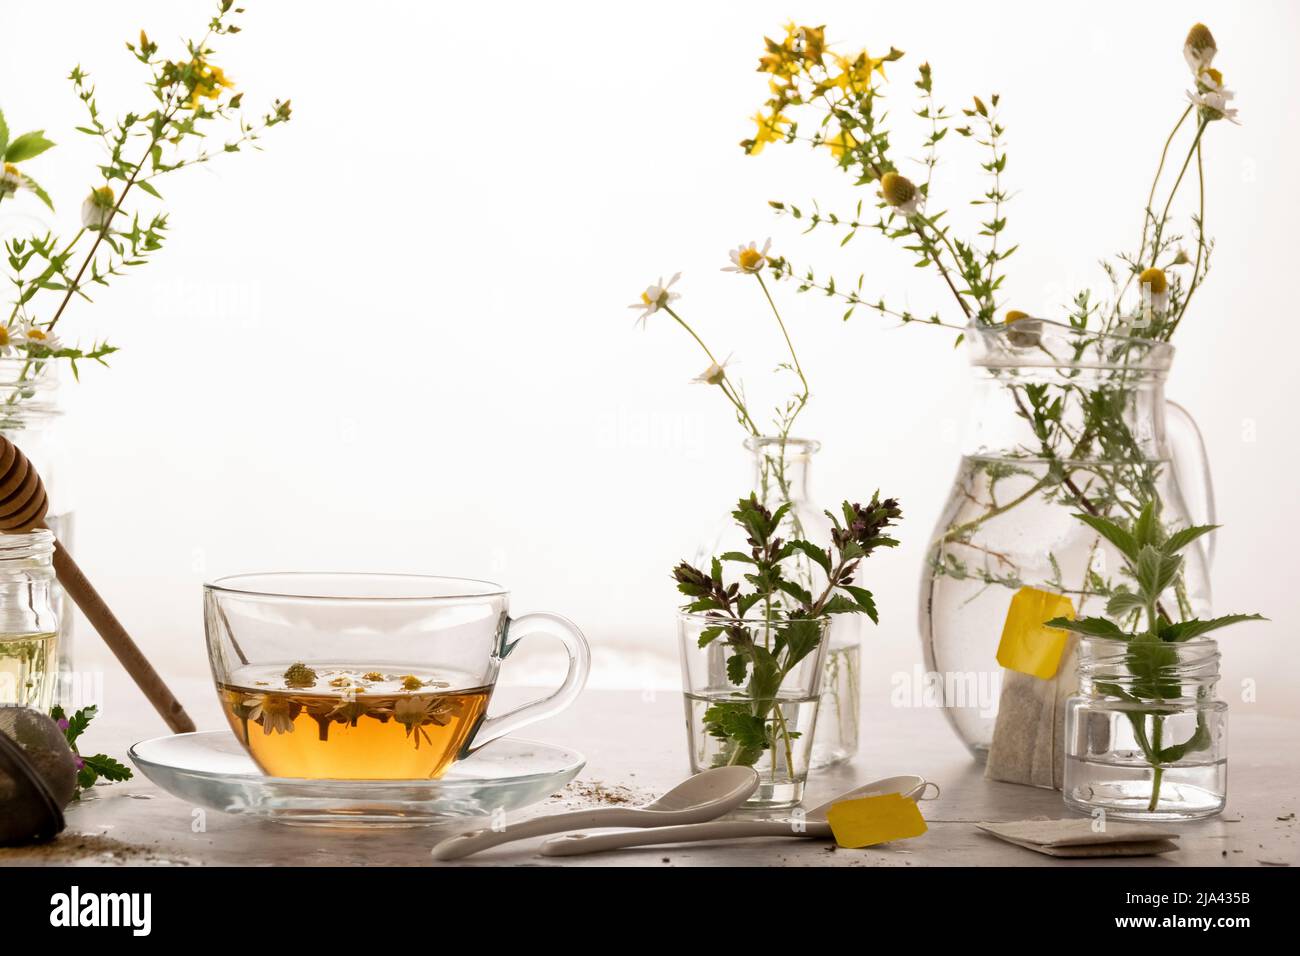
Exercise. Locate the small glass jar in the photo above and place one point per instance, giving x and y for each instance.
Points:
(29, 627)
(781, 475)
(30, 416)
(735, 717)
(1146, 737)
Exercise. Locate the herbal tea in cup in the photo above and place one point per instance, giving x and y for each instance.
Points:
(369, 676)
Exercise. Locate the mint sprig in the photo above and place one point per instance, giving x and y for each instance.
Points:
(1152, 563)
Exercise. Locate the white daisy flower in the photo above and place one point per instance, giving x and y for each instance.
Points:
(8, 340)
(97, 210)
(272, 711)
(37, 340)
(715, 374)
(1154, 287)
(1211, 97)
(11, 180)
(1200, 48)
(655, 297)
(748, 258)
(414, 712)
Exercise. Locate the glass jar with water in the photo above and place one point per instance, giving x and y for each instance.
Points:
(1063, 422)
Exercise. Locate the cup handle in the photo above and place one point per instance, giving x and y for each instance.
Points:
(1191, 466)
(575, 645)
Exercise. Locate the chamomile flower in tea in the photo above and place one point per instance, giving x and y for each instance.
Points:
(352, 722)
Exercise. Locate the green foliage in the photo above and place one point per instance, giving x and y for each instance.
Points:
(762, 651)
(190, 104)
(1153, 564)
(92, 767)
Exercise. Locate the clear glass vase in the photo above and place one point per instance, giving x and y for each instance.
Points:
(1146, 737)
(1062, 422)
(29, 417)
(780, 470)
(730, 722)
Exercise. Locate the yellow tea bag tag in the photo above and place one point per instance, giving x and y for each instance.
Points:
(1027, 646)
(871, 820)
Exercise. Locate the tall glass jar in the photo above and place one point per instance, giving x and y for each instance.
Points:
(29, 417)
(780, 470)
(29, 626)
(1062, 422)
(1146, 737)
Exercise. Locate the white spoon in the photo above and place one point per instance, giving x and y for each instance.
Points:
(813, 824)
(705, 796)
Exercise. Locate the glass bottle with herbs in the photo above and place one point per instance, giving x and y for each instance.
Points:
(754, 640)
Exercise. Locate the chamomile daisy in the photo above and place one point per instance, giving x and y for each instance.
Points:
(655, 297)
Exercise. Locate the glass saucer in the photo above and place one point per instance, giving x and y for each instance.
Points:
(211, 769)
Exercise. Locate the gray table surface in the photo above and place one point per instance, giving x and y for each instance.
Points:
(635, 745)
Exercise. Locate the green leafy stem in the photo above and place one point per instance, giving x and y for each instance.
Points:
(765, 649)
(1151, 659)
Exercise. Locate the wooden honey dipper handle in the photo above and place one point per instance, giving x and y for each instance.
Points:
(23, 504)
(119, 641)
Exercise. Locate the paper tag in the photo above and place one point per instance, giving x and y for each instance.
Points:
(1027, 646)
(871, 820)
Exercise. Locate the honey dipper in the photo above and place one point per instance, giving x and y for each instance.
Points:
(23, 504)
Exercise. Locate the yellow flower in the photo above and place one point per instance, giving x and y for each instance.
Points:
(855, 73)
(841, 143)
(802, 46)
(1200, 48)
(1015, 315)
(810, 42)
(900, 192)
(769, 131)
(6, 340)
(207, 81)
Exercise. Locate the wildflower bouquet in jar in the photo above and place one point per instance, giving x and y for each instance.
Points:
(1070, 415)
(192, 102)
(781, 460)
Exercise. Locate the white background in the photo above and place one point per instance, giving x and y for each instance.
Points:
(397, 338)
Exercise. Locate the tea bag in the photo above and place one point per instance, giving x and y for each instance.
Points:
(1079, 838)
(1029, 735)
(38, 776)
(1039, 675)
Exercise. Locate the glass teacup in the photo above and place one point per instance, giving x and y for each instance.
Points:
(370, 676)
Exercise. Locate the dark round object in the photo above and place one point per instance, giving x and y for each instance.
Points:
(38, 776)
